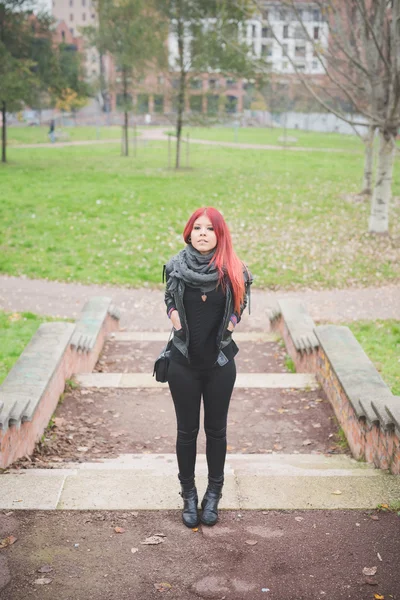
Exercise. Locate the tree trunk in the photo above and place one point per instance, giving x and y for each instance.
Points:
(4, 134)
(379, 218)
(368, 161)
(125, 127)
(182, 83)
(126, 147)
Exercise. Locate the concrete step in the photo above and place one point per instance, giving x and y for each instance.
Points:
(162, 336)
(243, 380)
(149, 482)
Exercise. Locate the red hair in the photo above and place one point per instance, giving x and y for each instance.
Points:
(225, 258)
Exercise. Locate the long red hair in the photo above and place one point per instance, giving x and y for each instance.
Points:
(225, 258)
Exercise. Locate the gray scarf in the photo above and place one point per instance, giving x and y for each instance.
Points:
(193, 268)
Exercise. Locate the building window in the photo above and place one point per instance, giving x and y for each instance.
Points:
(158, 103)
(264, 14)
(285, 32)
(93, 16)
(266, 32)
(284, 49)
(71, 17)
(253, 31)
(285, 65)
(195, 84)
(71, 30)
(231, 84)
(316, 33)
(213, 84)
(316, 15)
(315, 65)
(300, 51)
(175, 83)
(266, 50)
(83, 16)
(301, 67)
(196, 104)
(212, 105)
(299, 33)
(63, 36)
(282, 15)
(231, 104)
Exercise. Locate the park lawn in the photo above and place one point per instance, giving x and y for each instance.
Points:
(381, 342)
(39, 134)
(16, 329)
(87, 214)
(266, 135)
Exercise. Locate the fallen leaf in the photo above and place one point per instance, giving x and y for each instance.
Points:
(8, 541)
(337, 492)
(370, 581)
(379, 556)
(45, 569)
(299, 519)
(162, 587)
(251, 542)
(119, 530)
(379, 597)
(370, 570)
(316, 425)
(278, 447)
(43, 581)
(134, 550)
(160, 534)
(195, 528)
(59, 421)
(153, 540)
(375, 517)
(306, 443)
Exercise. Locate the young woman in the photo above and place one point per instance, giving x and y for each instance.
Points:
(206, 293)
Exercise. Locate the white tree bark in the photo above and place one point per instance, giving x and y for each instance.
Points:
(368, 161)
(379, 218)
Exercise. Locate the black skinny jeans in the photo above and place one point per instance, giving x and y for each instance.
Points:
(187, 385)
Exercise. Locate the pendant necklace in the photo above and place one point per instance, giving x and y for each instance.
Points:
(204, 297)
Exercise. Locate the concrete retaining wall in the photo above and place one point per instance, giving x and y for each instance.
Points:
(366, 410)
(30, 393)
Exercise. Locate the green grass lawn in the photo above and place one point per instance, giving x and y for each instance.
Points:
(39, 134)
(87, 214)
(381, 342)
(16, 329)
(266, 135)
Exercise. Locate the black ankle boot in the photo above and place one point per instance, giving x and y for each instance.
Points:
(190, 516)
(209, 504)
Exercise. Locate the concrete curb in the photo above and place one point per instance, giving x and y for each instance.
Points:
(149, 482)
(365, 407)
(30, 392)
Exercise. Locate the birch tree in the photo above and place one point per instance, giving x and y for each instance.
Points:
(361, 63)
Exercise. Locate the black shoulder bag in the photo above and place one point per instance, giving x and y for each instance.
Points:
(161, 365)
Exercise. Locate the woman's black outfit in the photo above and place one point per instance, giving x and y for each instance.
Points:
(202, 365)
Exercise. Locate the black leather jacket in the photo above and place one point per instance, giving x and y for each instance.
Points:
(224, 336)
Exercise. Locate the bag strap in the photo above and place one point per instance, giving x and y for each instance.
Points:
(163, 274)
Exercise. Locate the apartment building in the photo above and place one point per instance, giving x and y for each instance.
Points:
(77, 14)
(274, 35)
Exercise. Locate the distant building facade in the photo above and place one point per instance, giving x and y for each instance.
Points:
(274, 34)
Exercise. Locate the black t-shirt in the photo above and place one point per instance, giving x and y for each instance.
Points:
(204, 319)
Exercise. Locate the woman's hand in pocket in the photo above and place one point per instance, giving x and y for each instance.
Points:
(175, 320)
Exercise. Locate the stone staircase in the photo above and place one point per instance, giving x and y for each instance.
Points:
(113, 440)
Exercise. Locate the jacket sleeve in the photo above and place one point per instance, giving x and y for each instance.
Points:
(168, 297)
(248, 280)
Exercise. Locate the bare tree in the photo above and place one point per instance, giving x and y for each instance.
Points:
(361, 64)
